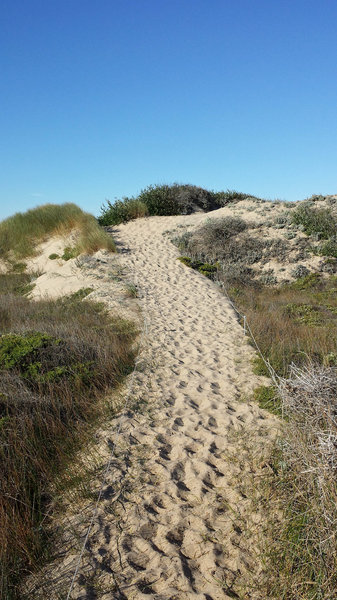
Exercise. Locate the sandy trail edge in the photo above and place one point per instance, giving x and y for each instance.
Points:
(176, 521)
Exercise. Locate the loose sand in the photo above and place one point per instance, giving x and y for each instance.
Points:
(179, 517)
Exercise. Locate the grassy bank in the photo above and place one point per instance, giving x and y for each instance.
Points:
(20, 233)
(57, 361)
(295, 326)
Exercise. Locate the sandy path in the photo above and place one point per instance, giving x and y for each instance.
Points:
(184, 526)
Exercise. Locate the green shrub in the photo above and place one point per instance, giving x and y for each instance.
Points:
(315, 220)
(172, 199)
(122, 211)
(53, 256)
(186, 260)
(161, 200)
(307, 282)
(329, 248)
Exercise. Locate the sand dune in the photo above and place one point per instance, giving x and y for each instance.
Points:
(178, 519)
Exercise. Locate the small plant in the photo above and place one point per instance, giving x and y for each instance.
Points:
(69, 253)
(304, 313)
(53, 256)
(79, 295)
(19, 267)
(186, 260)
(131, 290)
(300, 271)
(267, 398)
(307, 281)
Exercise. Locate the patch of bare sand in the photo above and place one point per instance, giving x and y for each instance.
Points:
(178, 519)
(101, 272)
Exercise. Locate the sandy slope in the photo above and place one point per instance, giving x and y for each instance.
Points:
(177, 520)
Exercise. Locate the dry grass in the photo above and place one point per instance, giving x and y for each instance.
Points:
(57, 360)
(303, 559)
(292, 325)
(20, 234)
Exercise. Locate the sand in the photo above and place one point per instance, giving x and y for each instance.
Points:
(179, 517)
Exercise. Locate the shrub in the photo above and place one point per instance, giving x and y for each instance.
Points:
(300, 271)
(180, 199)
(315, 220)
(172, 199)
(329, 248)
(122, 211)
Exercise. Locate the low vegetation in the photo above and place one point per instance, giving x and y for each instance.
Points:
(58, 358)
(295, 327)
(20, 234)
(166, 200)
(302, 558)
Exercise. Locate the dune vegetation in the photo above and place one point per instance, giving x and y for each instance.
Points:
(164, 200)
(58, 360)
(20, 234)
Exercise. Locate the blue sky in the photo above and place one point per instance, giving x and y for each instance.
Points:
(100, 99)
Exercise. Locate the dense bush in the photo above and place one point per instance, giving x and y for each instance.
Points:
(172, 199)
(122, 211)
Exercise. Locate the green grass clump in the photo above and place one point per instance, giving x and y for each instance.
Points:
(328, 248)
(57, 362)
(304, 313)
(53, 256)
(20, 234)
(267, 398)
(311, 281)
(204, 268)
(314, 220)
(41, 359)
(70, 252)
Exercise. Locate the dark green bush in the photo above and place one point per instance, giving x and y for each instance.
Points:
(165, 199)
(122, 211)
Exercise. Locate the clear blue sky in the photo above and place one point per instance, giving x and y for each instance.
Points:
(102, 98)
